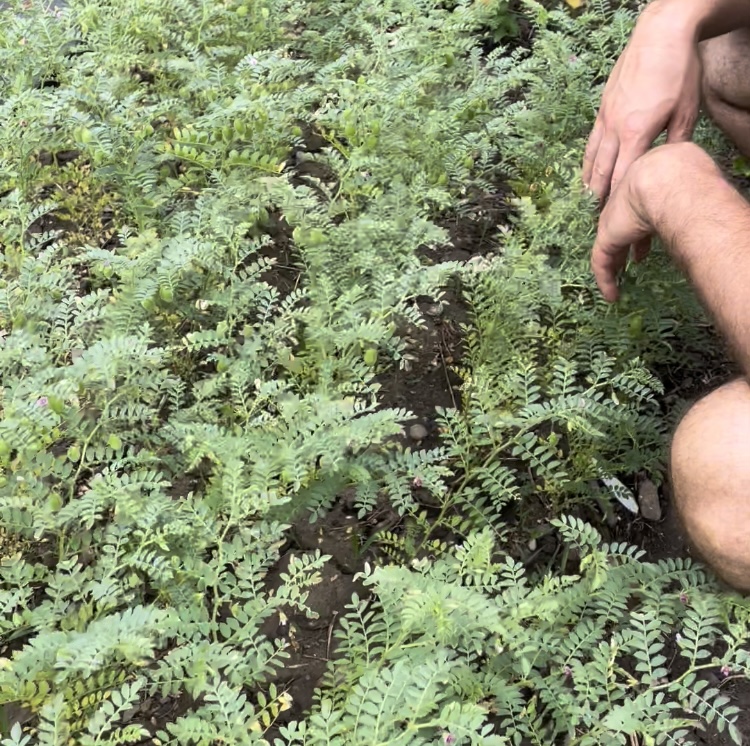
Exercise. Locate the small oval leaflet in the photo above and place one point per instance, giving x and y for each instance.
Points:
(621, 493)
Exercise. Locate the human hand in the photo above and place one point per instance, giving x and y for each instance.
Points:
(625, 229)
(655, 86)
(657, 196)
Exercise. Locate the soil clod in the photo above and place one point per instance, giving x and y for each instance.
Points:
(648, 500)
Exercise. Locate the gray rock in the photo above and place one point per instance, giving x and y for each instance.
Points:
(418, 432)
(648, 500)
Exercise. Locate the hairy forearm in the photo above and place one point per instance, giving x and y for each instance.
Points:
(705, 225)
(701, 19)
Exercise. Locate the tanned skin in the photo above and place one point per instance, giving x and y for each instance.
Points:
(676, 192)
(684, 54)
(655, 85)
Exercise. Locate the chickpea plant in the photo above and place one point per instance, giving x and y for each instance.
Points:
(169, 405)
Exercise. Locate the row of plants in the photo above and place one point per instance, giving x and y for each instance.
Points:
(173, 398)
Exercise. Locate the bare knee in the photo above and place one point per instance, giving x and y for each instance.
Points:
(710, 464)
(726, 84)
(726, 63)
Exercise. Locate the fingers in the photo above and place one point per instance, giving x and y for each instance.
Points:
(609, 260)
(598, 132)
(682, 126)
(604, 165)
(630, 151)
(606, 266)
(592, 148)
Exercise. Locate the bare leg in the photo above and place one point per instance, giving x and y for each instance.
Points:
(710, 465)
(710, 459)
(726, 85)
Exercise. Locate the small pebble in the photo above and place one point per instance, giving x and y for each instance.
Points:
(648, 500)
(418, 432)
(532, 545)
